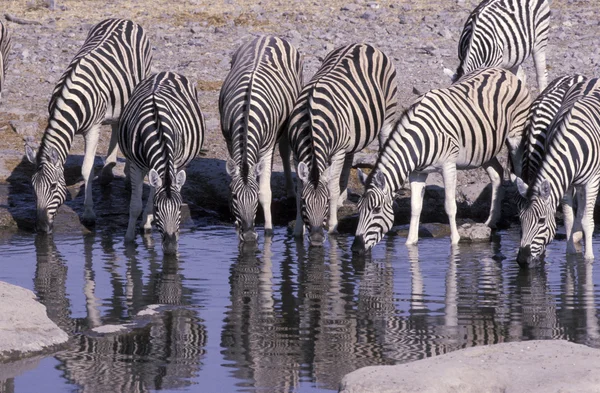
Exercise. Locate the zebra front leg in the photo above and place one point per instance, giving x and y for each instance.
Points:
(334, 175)
(264, 191)
(449, 175)
(135, 205)
(417, 191)
(285, 153)
(148, 217)
(87, 171)
(344, 177)
(539, 60)
(106, 176)
(495, 172)
(567, 206)
(299, 226)
(577, 228)
(590, 192)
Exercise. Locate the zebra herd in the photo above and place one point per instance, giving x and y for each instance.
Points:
(553, 143)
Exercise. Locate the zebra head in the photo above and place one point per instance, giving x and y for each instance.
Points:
(375, 212)
(538, 223)
(167, 208)
(243, 201)
(49, 186)
(314, 203)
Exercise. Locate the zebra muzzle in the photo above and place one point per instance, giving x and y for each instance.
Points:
(524, 256)
(249, 236)
(358, 245)
(169, 243)
(316, 236)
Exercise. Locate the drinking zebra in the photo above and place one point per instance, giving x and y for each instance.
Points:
(93, 90)
(503, 33)
(571, 163)
(460, 127)
(254, 103)
(543, 110)
(161, 131)
(5, 45)
(348, 103)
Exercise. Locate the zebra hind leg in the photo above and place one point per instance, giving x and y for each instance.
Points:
(344, 177)
(495, 172)
(449, 175)
(106, 176)
(567, 207)
(590, 192)
(299, 226)
(541, 73)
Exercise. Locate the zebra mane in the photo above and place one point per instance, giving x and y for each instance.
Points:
(245, 168)
(314, 168)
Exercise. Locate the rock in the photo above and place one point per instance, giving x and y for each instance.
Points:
(350, 7)
(431, 230)
(475, 232)
(364, 160)
(369, 16)
(26, 329)
(541, 366)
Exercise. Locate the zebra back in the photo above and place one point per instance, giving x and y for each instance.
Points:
(344, 106)
(257, 96)
(5, 45)
(96, 85)
(162, 127)
(467, 122)
(502, 33)
(543, 110)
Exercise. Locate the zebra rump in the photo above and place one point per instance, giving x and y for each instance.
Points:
(349, 102)
(503, 33)
(570, 166)
(5, 45)
(254, 105)
(161, 131)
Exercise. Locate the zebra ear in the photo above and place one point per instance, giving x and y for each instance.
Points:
(258, 168)
(521, 186)
(379, 180)
(53, 156)
(449, 73)
(303, 172)
(30, 154)
(545, 189)
(154, 179)
(232, 168)
(180, 180)
(362, 177)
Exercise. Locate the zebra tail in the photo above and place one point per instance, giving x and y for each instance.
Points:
(161, 119)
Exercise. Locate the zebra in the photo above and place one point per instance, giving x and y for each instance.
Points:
(349, 102)
(114, 58)
(5, 45)
(571, 162)
(460, 127)
(254, 104)
(161, 131)
(543, 110)
(503, 33)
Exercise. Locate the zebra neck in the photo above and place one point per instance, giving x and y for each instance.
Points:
(60, 139)
(399, 159)
(559, 180)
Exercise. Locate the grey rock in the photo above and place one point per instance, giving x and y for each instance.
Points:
(26, 329)
(474, 232)
(369, 16)
(433, 229)
(350, 7)
(530, 366)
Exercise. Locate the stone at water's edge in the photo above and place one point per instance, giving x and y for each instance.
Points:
(25, 329)
(542, 366)
(474, 232)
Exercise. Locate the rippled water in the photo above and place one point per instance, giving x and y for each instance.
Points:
(282, 316)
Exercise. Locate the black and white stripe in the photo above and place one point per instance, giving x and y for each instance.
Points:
(161, 131)
(460, 127)
(503, 33)
(571, 163)
(5, 45)
(254, 103)
(114, 58)
(349, 102)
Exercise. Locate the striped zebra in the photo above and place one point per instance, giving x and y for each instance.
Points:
(161, 131)
(349, 102)
(571, 163)
(503, 33)
(543, 110)
(254, 104)
(114, 58)
(5, 45)
(460, 127)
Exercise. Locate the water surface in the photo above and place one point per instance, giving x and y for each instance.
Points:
(281, 316)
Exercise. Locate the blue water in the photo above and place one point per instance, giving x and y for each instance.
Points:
(283, 316)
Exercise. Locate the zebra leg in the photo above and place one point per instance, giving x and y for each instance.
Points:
(449, 175)
(135, 205)
(285, 153)
(417, 191)
(264, 191)
(495, 172)
(567, 206)
(539, 60)
(385, 133)
(106, 176)
(148, 216)
(590, 192)
(87, 170)
(344, 177)
(335, 172)
(577, 228)
(299, 227)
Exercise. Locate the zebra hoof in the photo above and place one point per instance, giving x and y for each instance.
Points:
(268, 233)
(88, 221)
